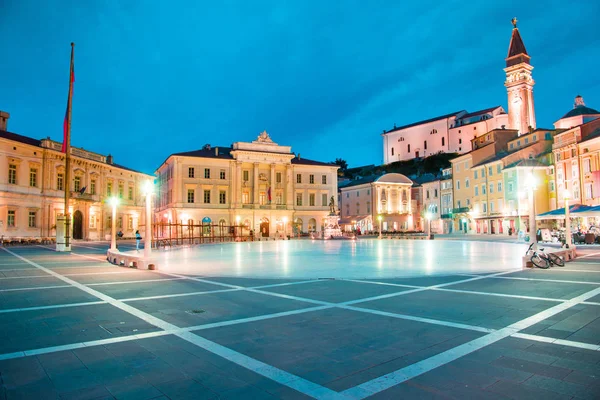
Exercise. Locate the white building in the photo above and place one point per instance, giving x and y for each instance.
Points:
(451, 133)
(32, 189)
(260, 185)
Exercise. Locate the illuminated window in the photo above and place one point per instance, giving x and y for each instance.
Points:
(32, 219)
(33, 177)
(11, 219)
(12, 174)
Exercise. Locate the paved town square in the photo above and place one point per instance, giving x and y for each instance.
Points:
(76, 327)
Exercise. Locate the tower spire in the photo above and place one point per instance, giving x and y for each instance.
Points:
(519, 84)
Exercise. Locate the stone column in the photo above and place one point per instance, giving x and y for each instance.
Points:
(378, 204)
(239, 176)
(272, 187)
(289, 187)
(255, 185)
(388, 196)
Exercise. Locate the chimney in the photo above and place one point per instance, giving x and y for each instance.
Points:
(4, 116)
(216, 152)
(298, 156)
(109, 159)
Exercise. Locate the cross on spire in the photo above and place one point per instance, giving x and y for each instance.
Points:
(514, 22)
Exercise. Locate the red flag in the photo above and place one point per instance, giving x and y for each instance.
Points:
(269, 193)
(66, 130)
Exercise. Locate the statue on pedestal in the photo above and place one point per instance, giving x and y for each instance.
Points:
(332, 206)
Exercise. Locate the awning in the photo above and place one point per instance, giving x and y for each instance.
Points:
(576, 210)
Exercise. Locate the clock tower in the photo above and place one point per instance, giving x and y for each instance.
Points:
(519, 85)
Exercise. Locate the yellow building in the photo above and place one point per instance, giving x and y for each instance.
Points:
(261, 185)
(32, 189)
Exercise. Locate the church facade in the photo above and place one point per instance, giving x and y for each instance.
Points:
(259, 185)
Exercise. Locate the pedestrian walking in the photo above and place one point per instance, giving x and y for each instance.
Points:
(138, 239)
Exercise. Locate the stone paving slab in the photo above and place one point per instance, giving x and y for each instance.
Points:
(335, 291)
(580, 323)
(339, 348)
(486, 311)
(144, 369)
(44, 297)
(146, 289)
(44, 328)
(7, 284)
(553, 290)
(511, 368)
(216, 307)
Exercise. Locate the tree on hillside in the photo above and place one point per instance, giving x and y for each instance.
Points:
(342, 163)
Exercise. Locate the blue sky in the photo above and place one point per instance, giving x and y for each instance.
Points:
(156, 77)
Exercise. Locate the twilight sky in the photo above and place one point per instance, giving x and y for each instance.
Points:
(326, 77)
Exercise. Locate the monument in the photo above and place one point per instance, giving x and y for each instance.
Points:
(331, 229)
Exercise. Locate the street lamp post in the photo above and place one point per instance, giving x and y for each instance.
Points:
(148, 190)
(380, 218)
(530, 183)
(567, 220)
(428, 218)
(113, 241)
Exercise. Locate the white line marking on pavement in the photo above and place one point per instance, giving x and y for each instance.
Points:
(545, 280)
(137, 281)
(469, 291)
(34, 288)
(89, 303)
(419, 319)
(285, 378)
(591, 303)
(588, 255)
(80, 274)
(561, 342)
(168, 296)
(404, 374)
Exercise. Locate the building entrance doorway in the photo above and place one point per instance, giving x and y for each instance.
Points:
(77, 225)
(264, 227)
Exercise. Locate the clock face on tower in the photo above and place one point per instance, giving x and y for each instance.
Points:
(517, 100)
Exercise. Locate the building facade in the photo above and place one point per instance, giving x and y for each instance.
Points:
(389, 196)
(451, 133)
(576, 164)
(32, 189)
(260, 185)
(432, 205)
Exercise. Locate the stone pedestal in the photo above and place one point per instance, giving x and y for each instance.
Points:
(62, 233)
(332, 229)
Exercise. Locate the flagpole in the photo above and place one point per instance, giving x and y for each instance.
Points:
(68, 157)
